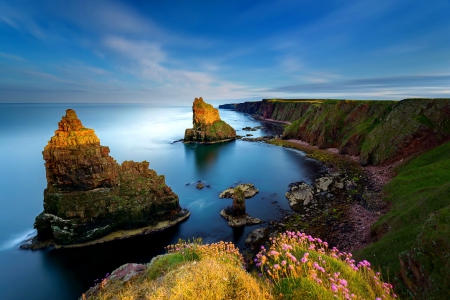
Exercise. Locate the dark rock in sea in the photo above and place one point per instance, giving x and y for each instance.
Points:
(208, 127)
(238, 220)
(199, 185)
(262, 139)
(235, 214)
(257, 237)
(90, 198)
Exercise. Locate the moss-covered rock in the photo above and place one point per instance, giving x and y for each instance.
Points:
(208, 128)
(89, 195)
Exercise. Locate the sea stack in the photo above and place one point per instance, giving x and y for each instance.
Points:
(208, 127)
(90, 198)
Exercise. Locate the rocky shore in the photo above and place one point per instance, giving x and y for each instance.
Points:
(340, 207)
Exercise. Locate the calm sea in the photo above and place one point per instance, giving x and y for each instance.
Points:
(132, 132)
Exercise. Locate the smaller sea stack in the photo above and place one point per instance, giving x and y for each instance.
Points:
(90, 198)
(208, 127)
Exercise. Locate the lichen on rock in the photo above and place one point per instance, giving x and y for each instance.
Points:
(89, 195)
(208, 127)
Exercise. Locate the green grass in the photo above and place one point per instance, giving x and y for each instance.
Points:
(164, 264)
(420, 189)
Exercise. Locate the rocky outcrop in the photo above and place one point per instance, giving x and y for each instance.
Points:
(90, 197)
(238, 220)
(235, 214)
(228, 106)
(248, 189)
(325, 189)
(378, 131)
(208, 127)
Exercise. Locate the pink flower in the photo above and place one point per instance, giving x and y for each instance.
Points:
(283, 263)
(343, 282)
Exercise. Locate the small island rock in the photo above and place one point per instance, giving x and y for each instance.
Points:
(208, 127)
(248, 189)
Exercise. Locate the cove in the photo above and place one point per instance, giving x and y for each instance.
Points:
(138, 132)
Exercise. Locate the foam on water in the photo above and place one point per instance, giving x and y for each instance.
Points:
(17, 239)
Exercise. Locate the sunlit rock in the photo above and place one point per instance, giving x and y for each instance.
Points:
(208, 127)
(90, 198)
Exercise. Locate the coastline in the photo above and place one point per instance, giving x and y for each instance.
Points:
(183, 215)
(359, 214)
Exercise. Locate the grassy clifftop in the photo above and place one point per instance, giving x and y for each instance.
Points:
(379, 131)
(412, 240)
(295, 266)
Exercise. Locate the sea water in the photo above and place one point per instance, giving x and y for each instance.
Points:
(133, 132)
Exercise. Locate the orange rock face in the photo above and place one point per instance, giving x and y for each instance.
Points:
(75, 160)
(204, 114)
(208, 127)
(89, 195)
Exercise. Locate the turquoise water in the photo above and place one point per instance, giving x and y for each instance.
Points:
(132, 132)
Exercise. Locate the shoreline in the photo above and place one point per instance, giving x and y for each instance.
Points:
(360, 213)
(34, 244)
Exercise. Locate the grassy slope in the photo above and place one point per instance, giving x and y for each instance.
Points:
(378, 131)
(421, 187)
(296, 266)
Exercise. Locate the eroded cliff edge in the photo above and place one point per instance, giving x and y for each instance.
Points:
(410, 243)
(378, 131)
(208, 127)
(90, 198)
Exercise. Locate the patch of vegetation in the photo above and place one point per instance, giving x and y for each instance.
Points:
(422, 119)
(220, 130)
(295, 266)
(420, 189)
(302, 267)
(332, 160)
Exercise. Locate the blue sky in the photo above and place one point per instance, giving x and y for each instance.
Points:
(225, 51)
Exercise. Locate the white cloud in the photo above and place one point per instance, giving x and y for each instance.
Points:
(12, 56)
(20, 20)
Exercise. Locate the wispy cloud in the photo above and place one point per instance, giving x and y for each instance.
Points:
(11, 56)
(20, 20)
(399, 86)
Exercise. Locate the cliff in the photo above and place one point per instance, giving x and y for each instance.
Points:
(208, 127)
(89, 196)
(378, 131)
(410, 243)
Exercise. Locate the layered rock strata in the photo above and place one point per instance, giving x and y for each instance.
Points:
(208, 127)
(90, 197)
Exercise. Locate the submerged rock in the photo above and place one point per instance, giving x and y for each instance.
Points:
(90, 197)
(208, 127)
